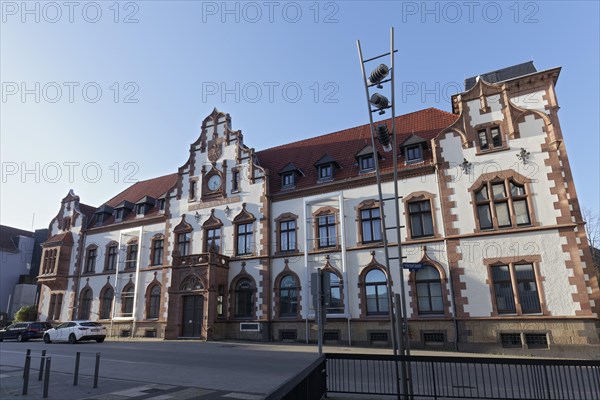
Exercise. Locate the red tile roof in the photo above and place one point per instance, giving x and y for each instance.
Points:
(7, 233)
(155, 187)
(63, 237)
(345, 144)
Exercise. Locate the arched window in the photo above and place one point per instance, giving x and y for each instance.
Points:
(376, 293)
(192, 283)
(336, 305)
(127, 300)
(243, 298)
(153, 302)
(429, 291)
(106, 302)
(288, 297)
(85, 305)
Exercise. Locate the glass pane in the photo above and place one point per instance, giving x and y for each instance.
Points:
(427, 273)
(483, 143)
(284, 241)
(375, 275)
(482, 195)
(499, 191)
(485, 218)
(415, 225)
(524, 271)
(427, 225)
(425, 206)
(435, 289)
(502, 214)
(437, 304)
(366, 231)
(424, 303)
(530, 301)
(505, 300)
(516, 190)
(500, 273)
(288, 282)
(521, 212)
(414, 207)
(292, 240)
(496, 137)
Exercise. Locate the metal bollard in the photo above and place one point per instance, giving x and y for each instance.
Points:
(96, 370)
(42, 362)
(76, 374)
(26, 374)
(26, 355)
(47, 377)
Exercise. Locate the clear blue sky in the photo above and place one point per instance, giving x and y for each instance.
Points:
(283, 70)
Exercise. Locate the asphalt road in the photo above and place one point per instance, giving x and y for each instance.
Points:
(242, 368)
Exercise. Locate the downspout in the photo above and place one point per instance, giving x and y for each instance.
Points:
(306, 289)
(137, 279)
(344, 269)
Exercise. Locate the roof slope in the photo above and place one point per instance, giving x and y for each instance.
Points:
(345, 144)
(503, 74)
(155, 187)
(7, 233)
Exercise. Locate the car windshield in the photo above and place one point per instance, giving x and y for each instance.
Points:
(90, 324)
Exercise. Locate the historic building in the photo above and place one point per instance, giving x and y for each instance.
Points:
(224, 248)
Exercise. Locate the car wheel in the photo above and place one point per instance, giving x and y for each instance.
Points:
(19, 338)
(100, 340)
(47, 338)
(72, 338)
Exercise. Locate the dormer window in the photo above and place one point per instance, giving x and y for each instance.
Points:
(414, 153)
(161, 204)
(412, 149)
(326, 167)
(99, 219)
(140, 209)
(289, 176)
(102, 214)
(119, 214)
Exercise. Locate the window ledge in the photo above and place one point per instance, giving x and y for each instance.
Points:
(480, 152)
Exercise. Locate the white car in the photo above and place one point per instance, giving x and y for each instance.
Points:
(74, 331)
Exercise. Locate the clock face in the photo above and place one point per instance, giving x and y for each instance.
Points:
(214, 182)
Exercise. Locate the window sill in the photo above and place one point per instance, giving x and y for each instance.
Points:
(480, 152)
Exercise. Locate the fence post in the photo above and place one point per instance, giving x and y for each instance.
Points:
(47, 377)
(96, 370)
(76, 373)
(26, 355)
(42, 362)
(26, 374)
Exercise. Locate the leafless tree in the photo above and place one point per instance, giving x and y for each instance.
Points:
(592, 230)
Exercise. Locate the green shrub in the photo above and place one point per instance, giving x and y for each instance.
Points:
(26, 313)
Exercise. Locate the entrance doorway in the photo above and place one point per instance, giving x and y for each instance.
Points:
(193, 312)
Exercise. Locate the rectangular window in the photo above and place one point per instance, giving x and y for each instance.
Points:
(326, 231)
(140, 209)
(161, 204)
(192, 190)
(504, 208)
(183, 243)
(235, 182)
(212, 238)
(287, 179)
(421, 221)
(91, 261)
(370, 222)
(527, 295)
(111, 262)
(510, 340)
(287, 235)
(132, 250)
(244, 239)
(490, 138)
(536, 340)
(58, 307)
(220, 298)
(157, 251)
(367, 163)
(119, 214)
(325, 172)
(413, 153)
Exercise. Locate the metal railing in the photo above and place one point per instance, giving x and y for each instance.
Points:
(307, 385)
(466, 377)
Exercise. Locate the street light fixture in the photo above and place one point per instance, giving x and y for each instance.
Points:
(380, 102)
(383, 136)
(378, 74)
